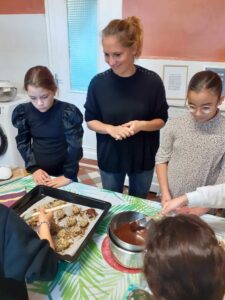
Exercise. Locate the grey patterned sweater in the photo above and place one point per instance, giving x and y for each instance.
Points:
(194, 151)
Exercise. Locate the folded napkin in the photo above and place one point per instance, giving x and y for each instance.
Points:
(9, 198)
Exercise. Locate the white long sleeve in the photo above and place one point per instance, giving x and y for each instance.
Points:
(212, 196)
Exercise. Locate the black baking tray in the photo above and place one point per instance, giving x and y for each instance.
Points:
(41, 191)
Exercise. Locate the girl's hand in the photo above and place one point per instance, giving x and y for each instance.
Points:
(58, 181)
(45, 217)
(45, 220)
(119, 132)
(40, 177)
(170, 206)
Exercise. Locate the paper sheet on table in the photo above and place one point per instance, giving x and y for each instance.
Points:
(77, 240)
(217, 224)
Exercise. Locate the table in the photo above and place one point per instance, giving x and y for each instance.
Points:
(90, 277)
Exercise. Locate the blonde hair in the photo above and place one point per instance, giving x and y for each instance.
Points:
(128, 31)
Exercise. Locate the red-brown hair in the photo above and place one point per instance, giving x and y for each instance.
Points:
(184, 260)
(40, 76)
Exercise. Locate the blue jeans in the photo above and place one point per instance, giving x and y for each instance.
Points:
(139, 183)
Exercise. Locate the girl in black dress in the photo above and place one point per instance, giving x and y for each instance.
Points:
(49, 131)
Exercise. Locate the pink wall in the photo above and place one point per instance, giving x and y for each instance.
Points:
(10, 7)
(179, 29)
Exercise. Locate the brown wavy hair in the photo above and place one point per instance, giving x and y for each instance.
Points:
(128, 31)
(40, 76)
(184, 260)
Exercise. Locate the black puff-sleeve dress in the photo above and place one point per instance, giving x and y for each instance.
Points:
(52, 140)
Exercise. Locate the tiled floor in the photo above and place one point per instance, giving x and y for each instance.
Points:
(89, 174)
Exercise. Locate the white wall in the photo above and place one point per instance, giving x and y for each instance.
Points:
(109, 10)
(193, 67)
(26, 41)
(23, 44)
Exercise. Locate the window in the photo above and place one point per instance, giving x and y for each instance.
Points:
(82, 29)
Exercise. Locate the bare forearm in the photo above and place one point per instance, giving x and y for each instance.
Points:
(161, 171)
(99, 127)
(152, 125)
(44, 222)
(44, 233)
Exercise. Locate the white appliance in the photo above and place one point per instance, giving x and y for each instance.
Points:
(11, 157)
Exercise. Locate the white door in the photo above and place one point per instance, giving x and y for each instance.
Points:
(57, 30)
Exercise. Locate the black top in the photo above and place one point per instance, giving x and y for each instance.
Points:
(115, 100)
(23, 256)
(51, 140)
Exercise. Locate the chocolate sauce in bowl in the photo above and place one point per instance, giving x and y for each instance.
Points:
(126, 234)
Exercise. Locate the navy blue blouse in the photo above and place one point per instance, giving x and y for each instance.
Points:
(52, 140)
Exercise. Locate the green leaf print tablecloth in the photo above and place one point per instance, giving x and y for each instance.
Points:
(90, 277)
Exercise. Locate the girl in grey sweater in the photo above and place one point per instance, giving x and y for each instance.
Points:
(192, 149)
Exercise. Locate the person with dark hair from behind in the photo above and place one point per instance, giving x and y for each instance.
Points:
(184, 260)
(24, 256)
